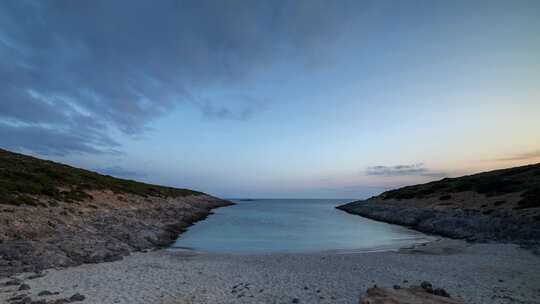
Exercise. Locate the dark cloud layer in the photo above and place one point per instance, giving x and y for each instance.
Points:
(74, 72)
(404, 170)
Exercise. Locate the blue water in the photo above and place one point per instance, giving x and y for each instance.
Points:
(292, 225)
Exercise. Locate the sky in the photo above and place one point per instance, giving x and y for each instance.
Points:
(273, 99)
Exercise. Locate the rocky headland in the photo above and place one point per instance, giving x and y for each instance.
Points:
(54, 215)
(501, 206)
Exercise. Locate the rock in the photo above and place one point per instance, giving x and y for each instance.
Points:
(295, 300)
(35, 276)
(17, 297)
(427, 286)
(437, 291)
(24, 287)
(46, 293)
(441, 292)
(13, 282)
(39, 302)
(77, 297)
(23, 300)
(410, 295)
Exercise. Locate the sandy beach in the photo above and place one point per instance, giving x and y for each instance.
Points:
(476, 273)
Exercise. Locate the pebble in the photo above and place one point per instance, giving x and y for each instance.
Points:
(24, 287)
(77, 297)
(13, 282)
(46, 293)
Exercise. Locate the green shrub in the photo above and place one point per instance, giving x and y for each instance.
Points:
(491, 183)
(498, 203)
(24, 200)
(445, 197)
(530, 199)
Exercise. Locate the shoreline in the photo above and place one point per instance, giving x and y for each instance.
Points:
(427, 240)
(475, 273)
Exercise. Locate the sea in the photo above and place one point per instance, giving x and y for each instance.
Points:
(293, 226)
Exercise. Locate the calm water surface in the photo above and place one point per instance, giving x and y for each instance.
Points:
(292, 225)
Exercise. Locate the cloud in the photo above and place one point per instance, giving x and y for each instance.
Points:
(120, 172)
(71, 73)
(244, 108)
(54, 141)
(522, 156)
(417, 169)
(414, 169)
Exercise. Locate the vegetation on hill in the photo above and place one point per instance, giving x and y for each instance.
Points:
(525, 180)
(23, 178)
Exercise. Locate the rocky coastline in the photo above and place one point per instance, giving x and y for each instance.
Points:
(501, 206)
(105, 229)
(468, 224)
(54, 215)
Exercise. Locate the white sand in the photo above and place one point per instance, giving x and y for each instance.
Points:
(470, 272)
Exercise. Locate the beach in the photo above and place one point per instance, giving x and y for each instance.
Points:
(475, 273)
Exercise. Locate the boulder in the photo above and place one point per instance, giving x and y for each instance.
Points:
(410, 295)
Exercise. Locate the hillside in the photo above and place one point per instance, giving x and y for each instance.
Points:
(24, 179)
(55, 215)
(501, 205)
(524, 181)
